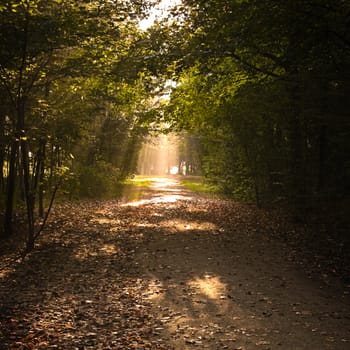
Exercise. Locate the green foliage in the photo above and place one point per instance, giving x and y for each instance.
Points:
(98, 181)
(261, 100)
(137, 181)
(132, 188)
(66, 98)
(199, 184)
(264, 85)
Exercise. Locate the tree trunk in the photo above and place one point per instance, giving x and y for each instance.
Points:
(10, 191)
(2, 154)
(41, 178)
(2, 163)
(29, 195)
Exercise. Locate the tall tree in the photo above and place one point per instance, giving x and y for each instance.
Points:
(57, 44)
(282, 100)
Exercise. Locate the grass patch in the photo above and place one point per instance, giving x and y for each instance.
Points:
(137, 181)
(199, 184)
(133, 189)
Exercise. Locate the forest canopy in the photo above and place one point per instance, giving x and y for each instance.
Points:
(260, 98)
(265, 85)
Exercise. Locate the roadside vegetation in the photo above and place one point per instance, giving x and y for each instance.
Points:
(255, 91)
(201, 185)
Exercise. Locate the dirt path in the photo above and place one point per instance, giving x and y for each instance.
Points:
(217, 284)
(169, 271)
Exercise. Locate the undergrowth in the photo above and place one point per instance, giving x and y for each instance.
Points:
(199, 184)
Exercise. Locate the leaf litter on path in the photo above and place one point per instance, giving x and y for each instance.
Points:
(167, 274)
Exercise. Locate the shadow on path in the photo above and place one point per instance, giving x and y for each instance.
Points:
(170, 271)
(219, 281)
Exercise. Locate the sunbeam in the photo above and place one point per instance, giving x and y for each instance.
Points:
(159, 156)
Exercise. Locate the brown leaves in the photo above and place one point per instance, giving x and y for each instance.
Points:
(196, 273)
(75, 290)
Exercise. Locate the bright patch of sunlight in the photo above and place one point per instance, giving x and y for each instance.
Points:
(158, 13)
(105, 221)
(167, 90)
(4, 273)
(174, 170)
(163, 183)
(210, 286)
(157, 200)
(143, 225)
(179, 225)
(161, 190)
(109, 249)
(159, 155)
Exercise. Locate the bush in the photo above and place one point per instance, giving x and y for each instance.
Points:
(98, 181)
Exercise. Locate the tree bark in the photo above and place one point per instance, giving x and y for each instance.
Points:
(41, 178)
(29, 195)
(10, 191)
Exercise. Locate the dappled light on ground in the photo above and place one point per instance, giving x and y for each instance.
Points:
(109, 249)
(103, 220)
(210, 286)
(165, 183)
(175, 275)
(180, 225)
(163, 199)
(162, 190)
(155, 290)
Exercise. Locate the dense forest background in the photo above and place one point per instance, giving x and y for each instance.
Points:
(259, 95)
